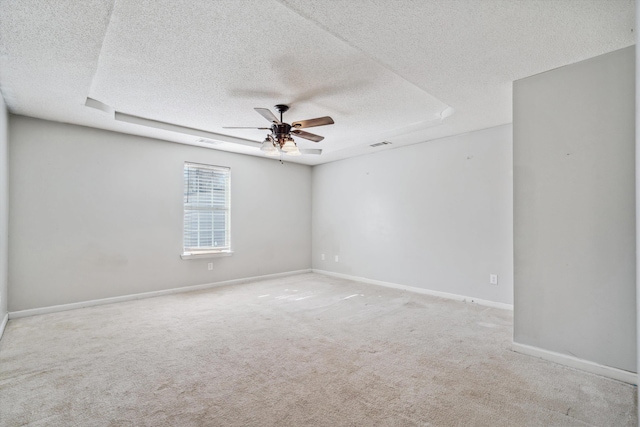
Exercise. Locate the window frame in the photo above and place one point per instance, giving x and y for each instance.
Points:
(206, 251)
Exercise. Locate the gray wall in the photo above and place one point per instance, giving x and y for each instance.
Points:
(436, 215)
(4, 207)
(96, 214)
(574, 210)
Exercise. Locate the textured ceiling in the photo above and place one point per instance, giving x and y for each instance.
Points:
(400, 71)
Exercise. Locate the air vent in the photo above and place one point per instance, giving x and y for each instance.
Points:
(380, 144)
(208, 141)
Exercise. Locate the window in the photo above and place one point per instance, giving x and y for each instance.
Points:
(206, 210)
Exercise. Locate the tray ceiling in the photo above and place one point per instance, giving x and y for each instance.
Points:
(402, 71)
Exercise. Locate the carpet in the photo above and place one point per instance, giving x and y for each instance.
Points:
(305, 350)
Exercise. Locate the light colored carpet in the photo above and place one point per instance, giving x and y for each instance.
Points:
(305, 350)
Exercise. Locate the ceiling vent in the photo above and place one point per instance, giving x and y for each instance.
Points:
(380, 144)
(208, 141)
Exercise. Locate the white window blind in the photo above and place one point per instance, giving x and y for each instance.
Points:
(206, 209)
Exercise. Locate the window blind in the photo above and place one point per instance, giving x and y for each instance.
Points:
(206, 208)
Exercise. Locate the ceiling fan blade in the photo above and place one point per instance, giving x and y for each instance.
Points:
(267, 114)
(311, 151)
(243, 127)
(307, 135)
(320, 121)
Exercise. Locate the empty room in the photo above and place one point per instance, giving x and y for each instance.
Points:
(318, 213)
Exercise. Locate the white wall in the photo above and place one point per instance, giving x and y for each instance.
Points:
(436, 215)
(4, 208)
(637, 163)
(96, 214)
(574, 210)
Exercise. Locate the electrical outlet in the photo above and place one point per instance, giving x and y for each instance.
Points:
(210, 266)
(337, 258)
(493, 279)
(322, 257)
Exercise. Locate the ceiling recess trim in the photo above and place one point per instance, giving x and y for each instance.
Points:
(94, 103)
(141, 121)
(171, 127)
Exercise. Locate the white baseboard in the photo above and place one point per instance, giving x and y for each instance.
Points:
(418, 290)
(102, 301)
(3, 325)
(574, 362)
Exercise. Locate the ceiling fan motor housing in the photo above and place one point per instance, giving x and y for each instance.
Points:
(280, 130)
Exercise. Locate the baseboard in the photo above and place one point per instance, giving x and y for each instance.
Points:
(418, 290)
(574, 362)
(102, 301)
(3, 325)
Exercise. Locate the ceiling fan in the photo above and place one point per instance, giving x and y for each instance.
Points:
(280, 139)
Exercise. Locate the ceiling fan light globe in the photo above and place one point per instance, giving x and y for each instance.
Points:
(268, 147)
(289, 145)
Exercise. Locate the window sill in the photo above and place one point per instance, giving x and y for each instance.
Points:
(206, 255)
